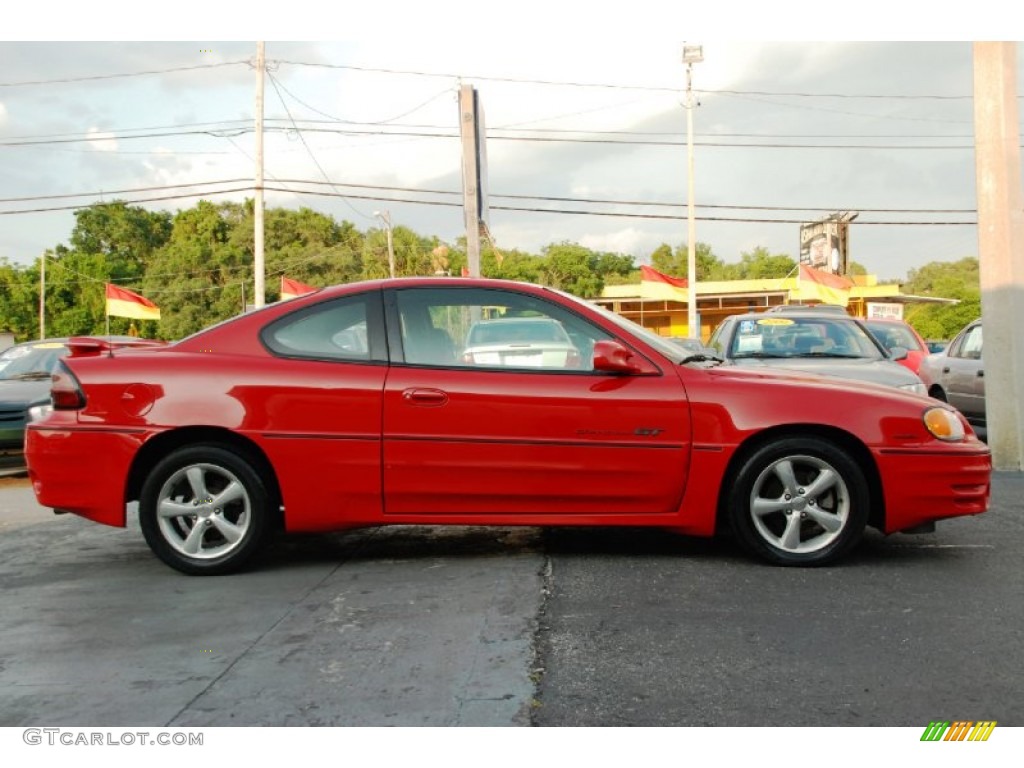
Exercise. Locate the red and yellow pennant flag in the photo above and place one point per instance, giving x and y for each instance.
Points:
(291, 289)
(124, 303)
(816, 285)
(655, 285)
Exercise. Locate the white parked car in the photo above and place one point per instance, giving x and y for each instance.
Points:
(524, 342)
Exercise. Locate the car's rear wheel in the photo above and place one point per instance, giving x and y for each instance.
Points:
(204, 510)
(799, 501)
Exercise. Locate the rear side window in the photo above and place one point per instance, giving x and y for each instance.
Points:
(333, 330)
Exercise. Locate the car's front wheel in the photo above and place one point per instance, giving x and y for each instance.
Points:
(204, 510)
(799, 501)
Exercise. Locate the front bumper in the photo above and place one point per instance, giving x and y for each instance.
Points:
(922, 486)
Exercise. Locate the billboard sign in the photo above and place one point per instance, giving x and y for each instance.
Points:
(824, 244)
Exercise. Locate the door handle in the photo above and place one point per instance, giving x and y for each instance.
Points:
(945, 369)
(981, 373)
(420, 396)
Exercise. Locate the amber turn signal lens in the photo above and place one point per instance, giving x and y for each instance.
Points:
(944, 424)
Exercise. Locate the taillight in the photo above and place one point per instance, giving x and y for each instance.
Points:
(65, 390)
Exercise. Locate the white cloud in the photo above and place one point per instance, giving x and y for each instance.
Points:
(102, 141)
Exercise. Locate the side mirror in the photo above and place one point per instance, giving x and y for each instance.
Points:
(612, 356)
(898, 353)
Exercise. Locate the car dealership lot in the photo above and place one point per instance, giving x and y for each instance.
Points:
(504, 626)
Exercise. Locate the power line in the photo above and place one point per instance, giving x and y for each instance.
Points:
(491, 78)
(129, 190)
(229, 133)
(620, 86)
(142, 73)
(454, 193)
(273, 81)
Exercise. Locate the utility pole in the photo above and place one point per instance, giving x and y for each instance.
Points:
(259, 267)
(1000, 247)
(42, 296)
(692, 54)
(471, 174)
(385, 216)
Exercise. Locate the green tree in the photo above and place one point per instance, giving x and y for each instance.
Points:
(677, 263)
(304, 245)
(125, 235)
(414, 255)
(200, 276)
(572, 268)
(19, 300)
(958, 280)
(760, 264)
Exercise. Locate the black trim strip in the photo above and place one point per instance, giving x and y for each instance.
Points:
(934, 452)
(80, 428)
(318, 436)
(551, 443)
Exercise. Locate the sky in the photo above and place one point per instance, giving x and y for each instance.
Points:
(585, 115)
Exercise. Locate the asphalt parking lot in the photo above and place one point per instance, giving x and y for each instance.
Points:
(510, 627)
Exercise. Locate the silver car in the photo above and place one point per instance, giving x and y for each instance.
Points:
(957, 376)
(823, 342)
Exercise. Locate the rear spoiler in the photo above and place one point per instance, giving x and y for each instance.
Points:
(90, 346)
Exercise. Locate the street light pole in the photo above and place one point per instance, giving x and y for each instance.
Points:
(385, 216)
(259, 262)
(692, 54)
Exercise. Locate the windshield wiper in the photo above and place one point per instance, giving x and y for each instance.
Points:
(29, 376)
(760, 356)
(700, 357)
(845, 356)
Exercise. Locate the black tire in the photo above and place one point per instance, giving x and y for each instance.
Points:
(938, 393)
(799, 501)
(213, 487)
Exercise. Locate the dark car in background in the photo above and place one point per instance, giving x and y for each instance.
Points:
(822, 342)
(25, 371)
(957, 375)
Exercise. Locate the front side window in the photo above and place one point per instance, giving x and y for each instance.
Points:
(486, 328)
(971, 346)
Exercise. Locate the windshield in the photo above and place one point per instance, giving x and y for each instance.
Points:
(787, 337)
(31, 361)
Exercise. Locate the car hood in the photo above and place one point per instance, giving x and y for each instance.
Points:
(885, 372)
(15, 392)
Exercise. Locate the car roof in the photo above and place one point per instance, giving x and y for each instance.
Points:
(831, 309)
(803, 313)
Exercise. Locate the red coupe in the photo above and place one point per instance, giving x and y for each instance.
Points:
(358, 406)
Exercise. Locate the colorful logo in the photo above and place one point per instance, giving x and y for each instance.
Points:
(960, 730)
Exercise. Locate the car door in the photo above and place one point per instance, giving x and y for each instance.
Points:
(964, 373)
(521, 437)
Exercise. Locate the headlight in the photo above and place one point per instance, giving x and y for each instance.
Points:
(917, 387)
(39, 412)
(944, 424)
